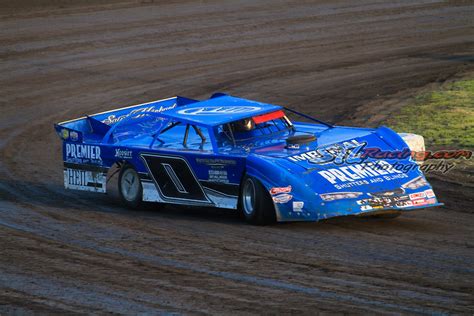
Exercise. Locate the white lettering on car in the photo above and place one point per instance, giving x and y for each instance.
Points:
(111, 119)
(359, 171)
(78, 151)
(218, 110)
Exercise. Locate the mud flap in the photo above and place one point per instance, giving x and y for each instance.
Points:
(85, 178)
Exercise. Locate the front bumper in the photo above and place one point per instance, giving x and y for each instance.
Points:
(314, 209)
(393, 210)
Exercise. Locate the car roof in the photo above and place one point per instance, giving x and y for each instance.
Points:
(219, 110)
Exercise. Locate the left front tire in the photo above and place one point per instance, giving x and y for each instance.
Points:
(255, 202)
(130, 187)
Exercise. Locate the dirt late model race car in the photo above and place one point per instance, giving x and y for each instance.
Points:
(233, 153)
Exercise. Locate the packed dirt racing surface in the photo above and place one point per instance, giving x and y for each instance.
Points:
(347, 62)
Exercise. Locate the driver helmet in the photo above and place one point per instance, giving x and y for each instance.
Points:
(245, 125)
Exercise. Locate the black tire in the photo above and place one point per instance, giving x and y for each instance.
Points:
(255, 203)
(129, 176)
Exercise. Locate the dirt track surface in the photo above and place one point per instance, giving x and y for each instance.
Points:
(62, 251)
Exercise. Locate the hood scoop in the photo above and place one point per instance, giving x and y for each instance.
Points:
(294, 142)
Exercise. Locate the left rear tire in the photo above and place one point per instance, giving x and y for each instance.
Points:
(130, 187)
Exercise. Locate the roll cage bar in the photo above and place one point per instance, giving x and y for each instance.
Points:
(309, 117)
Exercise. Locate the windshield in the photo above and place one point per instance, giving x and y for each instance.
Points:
(271, 124)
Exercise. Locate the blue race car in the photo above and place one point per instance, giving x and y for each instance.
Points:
(233, 153)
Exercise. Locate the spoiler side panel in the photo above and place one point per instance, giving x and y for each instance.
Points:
(83, 124)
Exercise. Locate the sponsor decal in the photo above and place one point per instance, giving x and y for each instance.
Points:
(84, 180)
(386, 202)
(403, 204)
(282, 198)
(218, 176)
(79, 153)
(83, 151)
(346, 152)
(424, 201)
(123, 153)
(216, 162)
(417, 195)
(419, 202)
(361, 174)
(298, 206)
(64, 134)
(219, 110)
(429, 193)
(111, 119)
(278, 190)
(365, 208)
(74, 136)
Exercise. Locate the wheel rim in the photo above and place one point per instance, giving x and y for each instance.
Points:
(248, 195)
(130, 185)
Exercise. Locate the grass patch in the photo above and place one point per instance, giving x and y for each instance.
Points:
(444, 117)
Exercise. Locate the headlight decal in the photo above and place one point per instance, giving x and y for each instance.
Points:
(339, 196)
(416, 183)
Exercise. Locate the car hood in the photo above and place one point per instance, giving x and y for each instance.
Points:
(344, 159)
(335, 146)
(327, 178)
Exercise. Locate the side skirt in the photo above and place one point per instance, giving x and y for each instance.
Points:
(217, 199)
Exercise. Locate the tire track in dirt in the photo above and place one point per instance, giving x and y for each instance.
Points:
(265, 282)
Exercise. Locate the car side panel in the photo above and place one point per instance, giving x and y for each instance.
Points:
(190, 177)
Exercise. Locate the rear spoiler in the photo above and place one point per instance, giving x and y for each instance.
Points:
(100, 123)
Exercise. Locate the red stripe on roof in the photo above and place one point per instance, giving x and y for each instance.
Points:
(268, 117)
